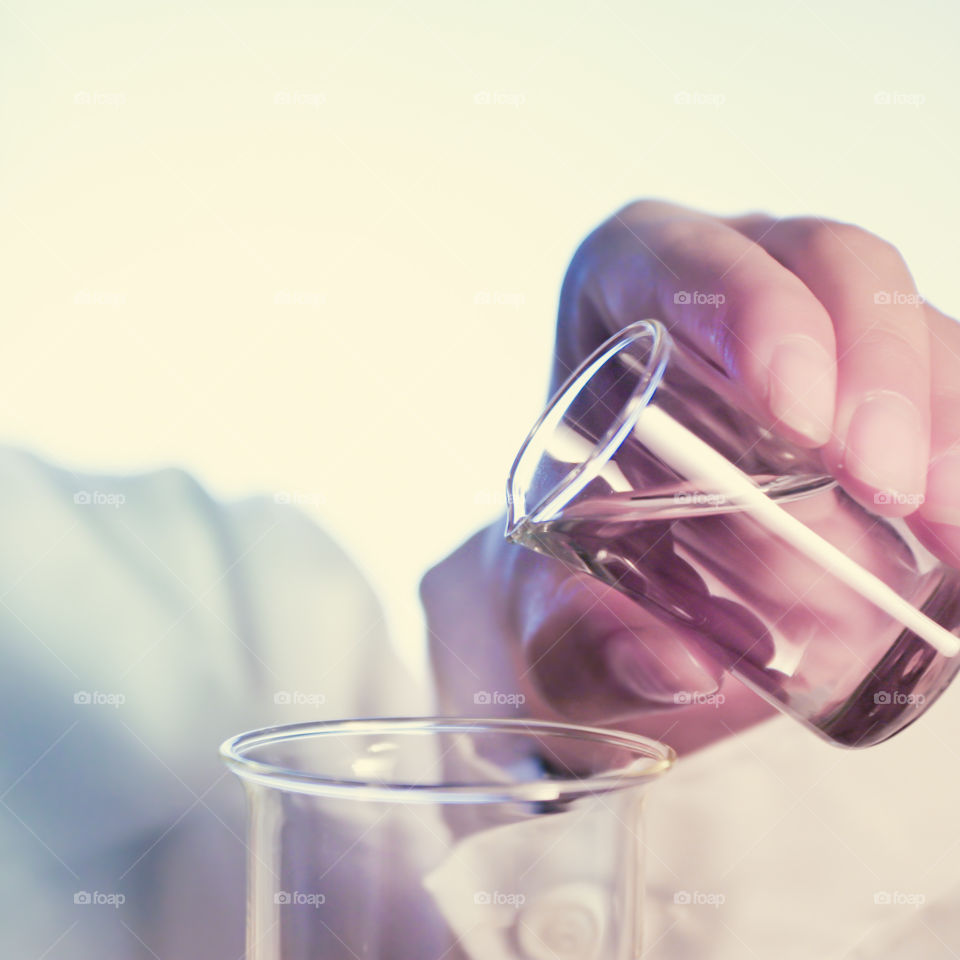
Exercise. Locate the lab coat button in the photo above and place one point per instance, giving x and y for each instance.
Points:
(564, 923)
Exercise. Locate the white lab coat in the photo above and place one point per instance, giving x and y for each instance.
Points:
(183, 621)
(816, 852)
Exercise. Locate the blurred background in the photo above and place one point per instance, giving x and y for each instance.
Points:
(314, 249)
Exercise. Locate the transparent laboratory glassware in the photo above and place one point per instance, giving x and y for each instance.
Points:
(646, 471)
(444, 839)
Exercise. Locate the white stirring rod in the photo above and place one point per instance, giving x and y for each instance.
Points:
(698, 462)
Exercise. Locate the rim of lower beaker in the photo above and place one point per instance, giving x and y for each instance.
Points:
(659, 757)
(582, 473)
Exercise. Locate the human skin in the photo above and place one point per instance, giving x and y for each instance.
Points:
(822, 329)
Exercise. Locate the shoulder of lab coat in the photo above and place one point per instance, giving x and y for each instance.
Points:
(143, 623)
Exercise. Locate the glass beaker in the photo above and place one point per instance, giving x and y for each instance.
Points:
(444, 839)
(646, 471)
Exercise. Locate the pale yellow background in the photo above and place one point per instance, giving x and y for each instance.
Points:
(252, 238)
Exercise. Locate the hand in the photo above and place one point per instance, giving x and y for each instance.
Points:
(821, 325)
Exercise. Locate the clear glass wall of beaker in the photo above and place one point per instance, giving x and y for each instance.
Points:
(444, 839)
(646, 471)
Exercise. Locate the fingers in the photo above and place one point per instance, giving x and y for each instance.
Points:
(503, 618)
(717, 290)
(591, 655)
(937, 521)
(596, 656)
(880, 445)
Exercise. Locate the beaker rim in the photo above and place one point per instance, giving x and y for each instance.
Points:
(652, 760)
(580, 474)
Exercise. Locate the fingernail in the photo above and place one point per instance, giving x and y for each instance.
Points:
(657, 675)
(942, 503)
(884, 447)
(800, 387)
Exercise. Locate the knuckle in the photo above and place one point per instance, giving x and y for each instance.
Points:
(645, 208)
(827, 239)
(889, 348)
(621, 228)
(755, 217)
(679, 236)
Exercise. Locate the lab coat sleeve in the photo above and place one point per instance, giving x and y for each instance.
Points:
(143, 623)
